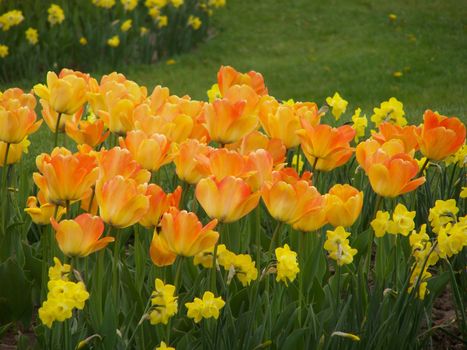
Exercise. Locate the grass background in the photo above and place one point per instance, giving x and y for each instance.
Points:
(308, 49)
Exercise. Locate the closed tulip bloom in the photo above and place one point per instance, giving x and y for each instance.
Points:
(440, 136)
(80, 236)
(234, 116)
(17, 116)
(406, 134)
(118, 161)
(326, 147)
(65, 176)
(40, 211)
(122, 201)
(185, 235)
(227, 200)
(310, 210)
(343, 205)
(159, 203)
(160, 253)
(192, 161)
(390, 170)
(229, 76)
(65, 93)
(281, 194)
(151, 152)
(258, 167)
(87, 132)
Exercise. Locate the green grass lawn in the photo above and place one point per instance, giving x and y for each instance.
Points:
(308, 49)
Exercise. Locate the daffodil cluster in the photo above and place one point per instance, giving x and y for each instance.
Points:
(240, 265)
(207, 307)
(338, 246)
(63, 296)
(391, 111)
(287, 264)
(402, 222)
(164, 303)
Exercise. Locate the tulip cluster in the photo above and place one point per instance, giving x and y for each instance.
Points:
(256, 190)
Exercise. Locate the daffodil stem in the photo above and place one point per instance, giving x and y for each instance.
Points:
(396, 261)
(57, 126)
(3, 189)
(338, 291)
(66, 333)
(45, 259)
(214, 261)
(142, 319)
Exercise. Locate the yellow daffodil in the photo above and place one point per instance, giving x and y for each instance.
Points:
(164, 303)
(380, 223)
(443, 213)
(402, 221)
(359, 124)
(126, 25)
(56, 14)
(338, 104)
(337, 245)
(32, 36)
(114, 41)
(287, 265)
(391, 111)
(207, 307)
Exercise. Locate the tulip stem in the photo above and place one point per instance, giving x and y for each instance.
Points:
(275, 237)
(3, 189)
(301, 249)
(115, 266)
(178, 274)
(214, 268)
(422, 169)
(45, 259)
(57, 126)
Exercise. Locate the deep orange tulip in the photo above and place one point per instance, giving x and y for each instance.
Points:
(325, 147)
(122, 201)
(86, 132)
(228, 76)
(282, 193)
(192, 161)
(310, 212)
(343, 205)
(389, 131)
(258, 168)
(42, 213)
(233, 117)
(440, 136)
(17, 116)
(183, 234)
(151, 152)
(118, 161)
(80, 236)
(227, 200)
(64, 176)
(223, 162)
(65, 93)
(390, 170)
(159, 203)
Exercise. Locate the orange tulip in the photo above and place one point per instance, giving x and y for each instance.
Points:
(115, 100)
(440, 136)
(227, 200)
(343, 205)
(228, 76)
(325, 147)
(282, 121)
(151, 152)
(234, 116)
(282, 193)
(65, 176)
(257, 140)
(80, 236)
(159, 203)
(42, 214)
(183, 234)
(389, 131)
(258, 168)
(389, 169)
(118, 161)
(17, 116)
(310, 212)
(192, 162)
(86, 132)
(223, 163)
(65, 93)
(122, 201)
(160, 253)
